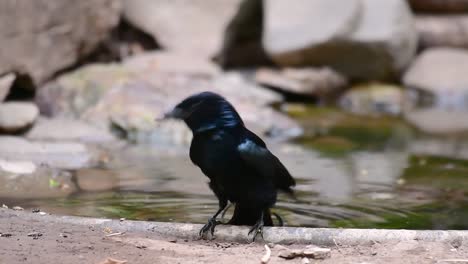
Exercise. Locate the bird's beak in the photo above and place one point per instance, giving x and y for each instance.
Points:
(175, 113)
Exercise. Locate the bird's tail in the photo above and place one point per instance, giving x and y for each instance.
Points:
(245, 215)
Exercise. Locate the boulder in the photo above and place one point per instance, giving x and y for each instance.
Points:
(438, 88)
(360, 38)
(52, 34)
(17, 116)
(64, 129)
(442, 31)
(57, 155)
(310, 82)
(6, 81)
(72, 93)
(439, 6)
(128, 96)
(193, 26)
(439, 71)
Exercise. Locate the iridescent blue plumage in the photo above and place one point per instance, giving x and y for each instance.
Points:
(211, 111)
(240, 167)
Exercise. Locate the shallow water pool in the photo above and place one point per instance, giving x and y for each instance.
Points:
(351, 171)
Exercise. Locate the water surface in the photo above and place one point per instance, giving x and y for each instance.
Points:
(351, 172)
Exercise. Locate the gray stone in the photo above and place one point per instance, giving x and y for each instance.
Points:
(6, 81)
(437, 91)
(52, 34)
(312, 82)
(439, 71)
(193, 26)
(130, 95)
(16, 116)
(61, 129)
(360, 39)
(442, 31)
(71, 94)
(56, 155)
(292, 26)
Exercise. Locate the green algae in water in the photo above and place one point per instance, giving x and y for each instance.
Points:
(334, 132)
(435, 215)
(437, 172)
(330, 145)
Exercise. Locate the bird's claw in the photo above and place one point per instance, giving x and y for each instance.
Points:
(257, 229)
(210, 226)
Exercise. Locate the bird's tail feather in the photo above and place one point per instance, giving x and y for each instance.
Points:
(245, 215)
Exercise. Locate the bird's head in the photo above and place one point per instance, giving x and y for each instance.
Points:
(205, 111)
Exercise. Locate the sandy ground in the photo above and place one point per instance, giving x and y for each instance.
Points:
(36, 241)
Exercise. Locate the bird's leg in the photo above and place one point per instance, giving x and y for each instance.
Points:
(212, 222)
(225, 210)
(257, 228)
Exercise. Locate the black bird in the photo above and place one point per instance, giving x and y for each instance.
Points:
(240, 167)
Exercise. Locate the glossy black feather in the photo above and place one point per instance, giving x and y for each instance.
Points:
(238, 163)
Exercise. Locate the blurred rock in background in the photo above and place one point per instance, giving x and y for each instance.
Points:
(51, 34)
(358, 38)
(189, 26)
(112, 66)
(306, 82)
(441, 73)
(442, 31)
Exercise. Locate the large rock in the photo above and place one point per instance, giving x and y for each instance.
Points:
(51, 34)
(6, 82)
(437, 80)
(194, 26)
(16, 116)
(439, 71)
(364, 39)
(129, 96)
(57, 155)
(64, 129)
(70, 94)
(311, 82)
(440, 6)
(442, 30)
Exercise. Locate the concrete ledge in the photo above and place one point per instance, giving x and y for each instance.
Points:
(279, 235)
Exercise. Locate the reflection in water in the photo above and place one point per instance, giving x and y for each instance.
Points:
(397, 181)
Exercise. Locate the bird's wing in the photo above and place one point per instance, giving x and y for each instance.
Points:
(254, 152)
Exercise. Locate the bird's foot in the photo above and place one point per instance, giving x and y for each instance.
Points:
(209, 227)
(257, 229)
